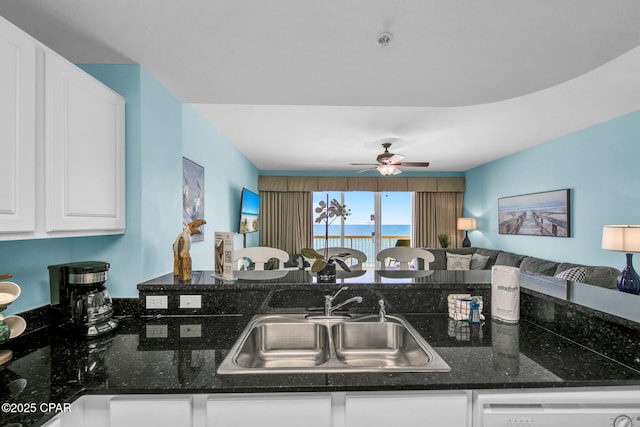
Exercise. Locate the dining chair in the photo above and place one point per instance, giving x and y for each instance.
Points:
(404, 256)
(259, 255)
(399, 243)
(354, 260)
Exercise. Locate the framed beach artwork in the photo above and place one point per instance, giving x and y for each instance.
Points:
(192, 195)
(537, 214)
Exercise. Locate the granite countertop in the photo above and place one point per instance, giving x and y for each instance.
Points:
(154, 355)
(259, 279)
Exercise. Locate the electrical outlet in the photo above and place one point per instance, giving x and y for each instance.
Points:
(190, 301)
(157, 331)
(191, 331)
(157, 302)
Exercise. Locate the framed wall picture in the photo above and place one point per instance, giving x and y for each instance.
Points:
(536, 214)
(192, 195)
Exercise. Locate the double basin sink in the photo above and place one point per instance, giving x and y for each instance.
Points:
(299, 343)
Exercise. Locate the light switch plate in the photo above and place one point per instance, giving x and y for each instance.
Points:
(157, 302)
(190, 301)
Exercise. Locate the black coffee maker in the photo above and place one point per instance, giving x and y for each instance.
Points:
(79, 299)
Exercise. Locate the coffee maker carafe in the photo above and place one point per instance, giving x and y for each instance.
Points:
(79, 299)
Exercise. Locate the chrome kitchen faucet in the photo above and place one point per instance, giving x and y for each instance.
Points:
(328, 301)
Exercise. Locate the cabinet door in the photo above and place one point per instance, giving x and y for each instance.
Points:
(17, 129)
(273, 410)
(136, 411)
(407, 409)
(84, 151)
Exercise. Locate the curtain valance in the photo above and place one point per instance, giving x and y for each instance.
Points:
(331, 183)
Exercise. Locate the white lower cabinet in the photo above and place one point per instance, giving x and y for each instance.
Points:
(131, 411)
(73, 417)
(269, 410)
(353, 409)
(408, 409)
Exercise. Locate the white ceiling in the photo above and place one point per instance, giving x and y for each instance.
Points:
(303, 84)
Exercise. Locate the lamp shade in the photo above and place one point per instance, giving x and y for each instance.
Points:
(624, 238)
(466, 223)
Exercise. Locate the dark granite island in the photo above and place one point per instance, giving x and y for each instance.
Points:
(557, 344)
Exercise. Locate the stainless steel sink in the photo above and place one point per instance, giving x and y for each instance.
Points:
(284, 345)
(293, 343)
(377, 344)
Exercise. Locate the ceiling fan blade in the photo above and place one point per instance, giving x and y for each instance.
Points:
(388, 162)
(412, 164)
(366, 170)
(395, 158)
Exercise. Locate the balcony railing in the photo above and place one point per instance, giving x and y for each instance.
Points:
(362, 243)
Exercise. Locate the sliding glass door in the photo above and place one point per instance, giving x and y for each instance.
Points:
(360, 226)
(396, 212)
(377, 221)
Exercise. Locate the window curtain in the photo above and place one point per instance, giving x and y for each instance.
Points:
(435, 214)
(286, 220)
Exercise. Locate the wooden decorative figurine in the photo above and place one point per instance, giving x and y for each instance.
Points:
(181, 247)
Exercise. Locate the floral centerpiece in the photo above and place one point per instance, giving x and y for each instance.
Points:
(328, 212)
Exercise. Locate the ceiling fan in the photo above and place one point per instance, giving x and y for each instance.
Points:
(388, 162)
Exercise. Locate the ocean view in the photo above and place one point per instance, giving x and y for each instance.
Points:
(363, 230)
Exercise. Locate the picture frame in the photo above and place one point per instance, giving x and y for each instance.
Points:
(545, 213)
(192, 195)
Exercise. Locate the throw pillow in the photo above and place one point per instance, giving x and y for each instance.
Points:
(509, 259)
(478, 262)
(458, 262)
(574, 274)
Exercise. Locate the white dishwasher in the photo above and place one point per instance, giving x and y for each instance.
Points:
(566, 407)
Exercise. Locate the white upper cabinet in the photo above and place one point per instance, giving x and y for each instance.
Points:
(17, 130)
(62, 142)
(85, 159)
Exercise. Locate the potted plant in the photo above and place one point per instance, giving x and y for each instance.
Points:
(444, 240)
(324, 264)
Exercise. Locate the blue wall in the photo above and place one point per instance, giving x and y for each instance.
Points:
(598, 165)
(226, 171)
(159, 131)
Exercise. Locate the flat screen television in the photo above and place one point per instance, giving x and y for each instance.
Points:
(249, 212)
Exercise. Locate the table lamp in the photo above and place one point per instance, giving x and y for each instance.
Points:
(625, 238)
(466, 224)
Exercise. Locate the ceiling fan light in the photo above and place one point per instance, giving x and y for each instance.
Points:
(386, 170)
